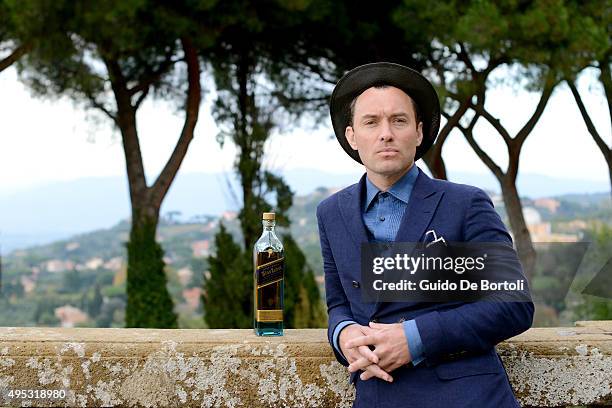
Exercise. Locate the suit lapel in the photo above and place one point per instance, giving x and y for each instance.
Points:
(421, 208)
(350, 209)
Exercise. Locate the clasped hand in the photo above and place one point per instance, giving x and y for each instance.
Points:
(390, 349)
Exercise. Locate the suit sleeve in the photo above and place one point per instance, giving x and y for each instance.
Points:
(476, 326)
(338, 306)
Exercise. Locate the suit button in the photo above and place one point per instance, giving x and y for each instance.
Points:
(355, 284)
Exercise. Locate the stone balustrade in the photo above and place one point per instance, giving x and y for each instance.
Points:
(548, 367)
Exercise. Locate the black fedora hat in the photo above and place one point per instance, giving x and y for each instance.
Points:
(357, 80)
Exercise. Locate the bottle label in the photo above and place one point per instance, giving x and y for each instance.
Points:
(269, 315)
(271, 272)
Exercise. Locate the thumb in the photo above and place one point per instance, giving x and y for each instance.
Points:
(376, 325)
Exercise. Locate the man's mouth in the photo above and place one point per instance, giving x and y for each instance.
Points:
(388, 150)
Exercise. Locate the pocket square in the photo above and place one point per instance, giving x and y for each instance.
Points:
(432, 238)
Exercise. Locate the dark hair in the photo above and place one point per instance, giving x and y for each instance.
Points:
(415, 107)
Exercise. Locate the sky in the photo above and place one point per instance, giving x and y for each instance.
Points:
(45, 141)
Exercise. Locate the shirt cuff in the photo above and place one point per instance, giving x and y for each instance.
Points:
(336, 334)
(415, 345)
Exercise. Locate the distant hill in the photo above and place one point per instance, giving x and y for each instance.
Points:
(57, 211)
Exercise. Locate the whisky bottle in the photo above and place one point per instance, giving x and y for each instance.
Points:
(269, 274)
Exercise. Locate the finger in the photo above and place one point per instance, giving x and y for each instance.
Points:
(384, 360)
(367, 330)
(369, 354)
(361, 341)
(375, 371)
(377, 325)
(359, 364)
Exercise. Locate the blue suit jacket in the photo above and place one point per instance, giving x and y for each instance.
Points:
(461, 368)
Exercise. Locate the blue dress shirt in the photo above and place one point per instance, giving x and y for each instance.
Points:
(382, 214)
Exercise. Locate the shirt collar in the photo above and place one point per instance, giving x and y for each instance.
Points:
(400, 190)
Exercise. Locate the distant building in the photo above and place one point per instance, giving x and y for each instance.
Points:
(28, 284)
(114, 264)
(542, 231)
(192, 297)
(71, 246)
(531, 215)
(550, 204)
(201, 249)
(94, 263)
(57, 265)
(229, 215)
(70, 315)
(184, 275)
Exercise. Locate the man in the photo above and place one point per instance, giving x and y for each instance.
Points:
(412, 354)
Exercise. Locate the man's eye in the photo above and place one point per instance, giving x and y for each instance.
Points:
(400, 120)
(369, 122)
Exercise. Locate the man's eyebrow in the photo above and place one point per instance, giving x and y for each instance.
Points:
(376, 116)
(369, 116)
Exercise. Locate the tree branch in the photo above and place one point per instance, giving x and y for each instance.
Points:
(465, 57)
(549, 86)
(496, 123)
(606, 80)
(126, 121)
(587, 119)
(486, 159)
(316, 70)
(14, 56)
(194, 96)
(141, 98)
(153, 77)
(102, 108)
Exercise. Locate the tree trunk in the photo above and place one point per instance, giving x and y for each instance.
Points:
(435, 163)
(522, 238)
(148, 301)
(249, 161)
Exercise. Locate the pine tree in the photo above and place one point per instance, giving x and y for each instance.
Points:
(303, 305)
(228, 291)
(95, 305)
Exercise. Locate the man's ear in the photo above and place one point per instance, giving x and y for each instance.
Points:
(350, 137)
(419, 133)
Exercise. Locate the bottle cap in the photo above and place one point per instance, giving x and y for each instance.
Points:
(270, 216)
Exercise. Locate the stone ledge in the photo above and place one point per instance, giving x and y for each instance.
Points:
(233, 368)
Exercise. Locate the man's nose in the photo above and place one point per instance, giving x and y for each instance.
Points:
(386, 133)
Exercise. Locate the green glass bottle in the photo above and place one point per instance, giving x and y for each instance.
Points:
(268, 280)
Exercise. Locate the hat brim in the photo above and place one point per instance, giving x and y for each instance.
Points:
(354, 82)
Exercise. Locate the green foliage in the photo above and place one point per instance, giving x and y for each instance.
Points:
(71, 281)
(247, 113)
(228, 292)
(77, 42)
(150, 304)
(594, 308)
(198, 266)
(303, 305)
(95, 304)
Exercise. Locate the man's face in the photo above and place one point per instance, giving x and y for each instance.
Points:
(384, 131)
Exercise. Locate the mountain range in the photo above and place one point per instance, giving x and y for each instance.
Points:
(58, 210)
